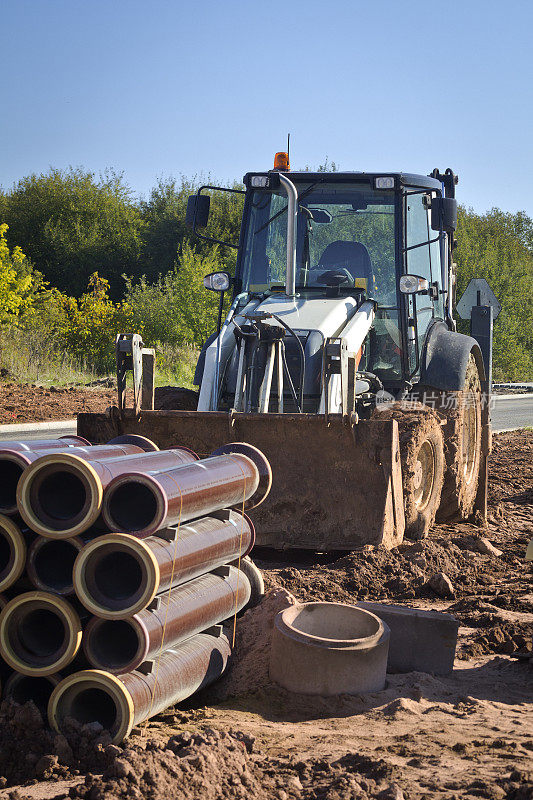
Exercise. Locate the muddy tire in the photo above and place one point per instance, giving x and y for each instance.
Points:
(423, 465)
(461, 412)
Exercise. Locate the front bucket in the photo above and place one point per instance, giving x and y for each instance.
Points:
(335, 486)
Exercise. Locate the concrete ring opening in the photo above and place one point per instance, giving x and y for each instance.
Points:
(333, 623)
(328, 649)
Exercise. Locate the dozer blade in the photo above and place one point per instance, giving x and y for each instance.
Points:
(336, 486)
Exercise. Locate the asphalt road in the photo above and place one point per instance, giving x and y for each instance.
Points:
(508, 412)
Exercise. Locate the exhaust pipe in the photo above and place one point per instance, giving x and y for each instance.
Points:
(122, 645)
(119, 703)
(51, 562)
(39, 633)
(142, 504)
(117, 575)
(12, 552)
(60, 494)
(22, 688)
(14, 462)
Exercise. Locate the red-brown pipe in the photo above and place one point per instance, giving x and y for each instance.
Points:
(60, 494)
(117, 575)
(22, 688)
(44, 444)
(14, 462)
(40, 633)
(120, 702)
(119, 646)
(50, 563)
(12, 552)
(142, 504)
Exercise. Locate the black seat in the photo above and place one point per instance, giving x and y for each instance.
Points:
(353, 256)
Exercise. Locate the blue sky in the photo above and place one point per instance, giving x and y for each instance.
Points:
(161, 88)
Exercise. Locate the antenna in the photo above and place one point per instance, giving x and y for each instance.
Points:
(288, 145)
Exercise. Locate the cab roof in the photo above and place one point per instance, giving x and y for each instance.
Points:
(404, 178)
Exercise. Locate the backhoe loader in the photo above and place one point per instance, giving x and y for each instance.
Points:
(339, 358)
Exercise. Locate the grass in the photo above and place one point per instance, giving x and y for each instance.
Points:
(175, 366)
(27, 358)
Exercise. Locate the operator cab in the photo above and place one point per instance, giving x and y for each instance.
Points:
(356, 235)
(308, 239)
(342, 230)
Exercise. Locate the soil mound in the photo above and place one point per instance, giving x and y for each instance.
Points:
(29, 750)
(214, 765)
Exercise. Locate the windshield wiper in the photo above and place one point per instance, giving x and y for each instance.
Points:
(282, 211)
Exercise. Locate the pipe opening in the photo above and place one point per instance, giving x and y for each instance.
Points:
(37, 635)
(93, 705)
(115, 579)
(113, 644)
(61, 496)
(10, 473)
(6, 555)
(132, 506)
(27, 687)
(53, 564)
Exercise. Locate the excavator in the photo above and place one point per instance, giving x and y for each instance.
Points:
(339, 358)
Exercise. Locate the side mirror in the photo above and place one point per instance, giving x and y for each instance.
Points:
(444, 214)
(197, 210)
(413, 284)
(217, 281)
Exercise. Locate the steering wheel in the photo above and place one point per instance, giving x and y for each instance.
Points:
(336, 277)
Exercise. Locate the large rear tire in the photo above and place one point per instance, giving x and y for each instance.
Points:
(461, 412)
(422, 460)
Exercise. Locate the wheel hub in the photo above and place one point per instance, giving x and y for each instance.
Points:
(424, 474)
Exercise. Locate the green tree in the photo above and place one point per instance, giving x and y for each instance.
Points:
(165, 231)
(176, 308)
(498, 246)
(72, 224)
(16, 281)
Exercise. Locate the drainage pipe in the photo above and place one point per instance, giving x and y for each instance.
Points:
(44, 444)
(22, 688)
(60, 494)
(12, 552)
(40, 633)
(122, 645)
(50, 563)
(142, 504)
(119, 703)
(117, 575)
(14, 462)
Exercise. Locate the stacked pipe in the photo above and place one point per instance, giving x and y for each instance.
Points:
(116, 573)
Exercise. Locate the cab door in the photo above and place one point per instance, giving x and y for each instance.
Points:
(422, 257)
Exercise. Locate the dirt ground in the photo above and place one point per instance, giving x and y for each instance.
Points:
(468, 735)
(29, 403)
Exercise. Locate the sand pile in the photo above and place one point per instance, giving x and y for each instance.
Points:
(249, 670)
